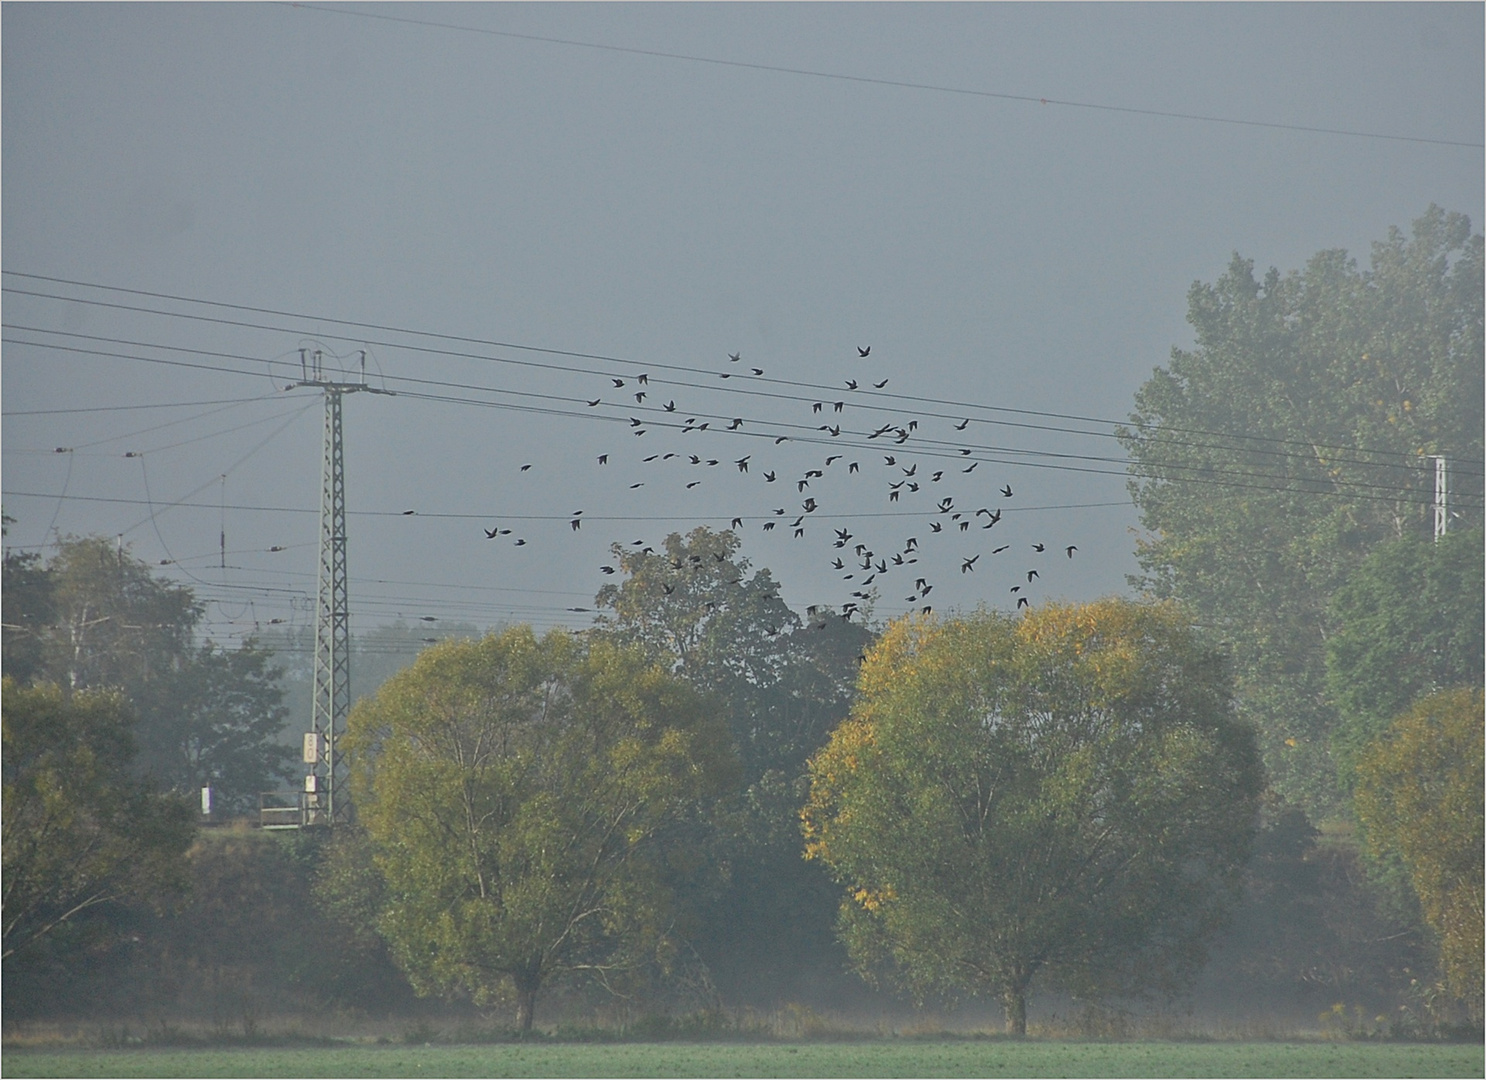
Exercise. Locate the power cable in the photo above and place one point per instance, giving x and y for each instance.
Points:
(1165, 114)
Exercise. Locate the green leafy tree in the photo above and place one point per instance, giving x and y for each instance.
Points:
(1407, 624)
(516, 791)
(782, 683)
(1292, 440)
(79, 830)
(214, 720)
(1419, 797)
(26, 597)
(1066, 797)
(95, 617)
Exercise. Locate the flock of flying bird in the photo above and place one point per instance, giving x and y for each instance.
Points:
(859, 564)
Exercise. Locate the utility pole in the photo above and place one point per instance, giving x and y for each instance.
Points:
(1441, 496)
(324, 798)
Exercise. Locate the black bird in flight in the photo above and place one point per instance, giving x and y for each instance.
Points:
(851, 384)
(817, 406)
(1039, 548)
(603, 459)
(879, 385)
(525, 467)
(855, 466)
(640, 484)
(618, 383)
(912, 470)
(737, 523)
(862, 353)
(576, 524)
(1022, 601)
(757, 370)
(735, 357)
(491, 534)
(837, 406)
(1032, 574)
(971, 468)
(1071, 548)
(693, 484)
(962, 424)
(520, 543)
(643, 380)
(669, 406)
(742, 463)
(833, 457)
(999, 550)
(770, 477)
(606, 569)
(594, 402)
(639, 397)
(889, 459)
(1006, 490)
(934, 526)
(782, 438)
(408, 513)
(968, 566)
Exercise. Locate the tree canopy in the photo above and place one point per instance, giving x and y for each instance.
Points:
(1292, 440)
(1065, 797)
(1407, 624)
(1418, 797)
(96, 617)
(514, 790)
(79, 830)
(781, 683)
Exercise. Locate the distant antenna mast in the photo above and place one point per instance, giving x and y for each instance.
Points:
(324, 799)
(1441, 496)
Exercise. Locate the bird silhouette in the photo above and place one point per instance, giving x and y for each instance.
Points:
(971, 469)
(855, 466)
(968, 566)
(1022, 601)
(606, 569)
(639, 397)
(737, 523)
(1071, 548)
(520, 543)
(603, 459)
(408, 513)
(999, 550)
(669, 406)
(851, 384)
(1039, 548)
(833, 457)
(1032, 574)
(735, 357)
(693, 484)
(639, 484)
(770, 477)
(491, 534)
(758, 371)
(742, 463)
(934, 526)
(878, 385)
(618, 383)
(862, 353)
(594, 402)
(576, 524)
(526, 467)
(1006, 490)
(962, 424)
(837, 406)
(736, 424)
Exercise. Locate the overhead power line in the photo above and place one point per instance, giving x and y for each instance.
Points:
(901, 84)
(1197, 473)
(1305, 449)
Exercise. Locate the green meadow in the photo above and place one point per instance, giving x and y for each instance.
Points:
(971, 1058)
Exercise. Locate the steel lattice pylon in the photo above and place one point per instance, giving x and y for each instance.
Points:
(325, 801)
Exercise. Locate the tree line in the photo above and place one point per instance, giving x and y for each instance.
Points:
(1271, 757)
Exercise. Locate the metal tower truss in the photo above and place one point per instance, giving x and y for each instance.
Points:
(324, 800)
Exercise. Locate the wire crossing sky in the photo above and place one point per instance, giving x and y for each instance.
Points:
(508, 209)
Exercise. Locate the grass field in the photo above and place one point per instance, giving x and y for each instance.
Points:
(988, 1058)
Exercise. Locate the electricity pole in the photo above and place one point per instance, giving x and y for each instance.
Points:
(324, 798)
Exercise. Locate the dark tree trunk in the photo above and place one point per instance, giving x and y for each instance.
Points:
(526, 1002)
(1014, 1001)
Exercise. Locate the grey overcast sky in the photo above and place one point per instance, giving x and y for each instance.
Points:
(655, 214)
